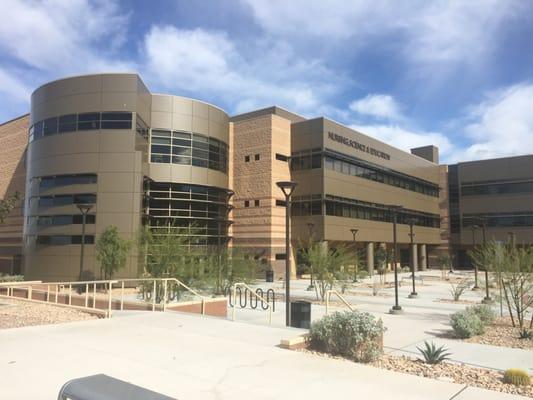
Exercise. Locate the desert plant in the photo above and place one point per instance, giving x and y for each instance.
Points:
(457, 289)
(484, 312)
(328, 265)
(351, 334)
(433, 354)
(517, 377)
(466, 324)
(525, 334)
(111, 252)
(7, 204)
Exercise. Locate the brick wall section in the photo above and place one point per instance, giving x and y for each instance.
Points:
(13, 142)
(260, 229)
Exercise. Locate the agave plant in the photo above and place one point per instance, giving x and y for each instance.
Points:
(526, 334)
(433, 354)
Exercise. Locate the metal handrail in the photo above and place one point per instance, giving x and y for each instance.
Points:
(56, 286)
(235, 285)
(165, 290)
(333, 291)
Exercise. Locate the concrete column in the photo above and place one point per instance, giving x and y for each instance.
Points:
(414, 256)
(370, 258)
(423, 257)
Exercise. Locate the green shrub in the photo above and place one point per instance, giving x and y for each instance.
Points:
(516, 377)
(433, 354)
(351, 334)
(484, 312)
(11, 278)
(466, 324)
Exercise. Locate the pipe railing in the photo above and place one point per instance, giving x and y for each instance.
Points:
(55, 289)
(154, 284)
(252, 293)
(340, 296)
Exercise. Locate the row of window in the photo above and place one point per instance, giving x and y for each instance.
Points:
(50, 220)
(351, 208)
(62, 240)
(512, 219)
(51, 182)
(247, 203)
(164, 190)
(63, 200)
(496, 188)
(187, 148)
(81, 122)
(349, 165)
(188, 209)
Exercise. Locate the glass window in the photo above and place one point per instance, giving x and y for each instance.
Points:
(184, 160)
(160, 149)
(84, 198)
(50, 126)
(88, 121)
(158, 158)
(197, 162)
(159, 132)
(38, 130)
(62, 200)
(68, 123)
(281, 157)
(161, 140)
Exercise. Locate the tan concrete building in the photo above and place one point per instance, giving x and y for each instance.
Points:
(184, 166)
(13, 141)
(491, 199)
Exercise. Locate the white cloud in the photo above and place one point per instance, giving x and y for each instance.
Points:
(62, 36)
(438, 32)
(13, 87)
(209, 62)
(377, 105)
(502, 125)
(405, 139)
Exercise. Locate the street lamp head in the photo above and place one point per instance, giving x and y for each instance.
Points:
(354, 232)
(84, 208)
(310, 225)
(287, 187)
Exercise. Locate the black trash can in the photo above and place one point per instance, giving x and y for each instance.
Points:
(270, 276)
(301, 314)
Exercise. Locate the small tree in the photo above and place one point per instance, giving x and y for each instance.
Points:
(382, 257)
(7, 204)
(328, 265)
(445, 262)
(111, 251)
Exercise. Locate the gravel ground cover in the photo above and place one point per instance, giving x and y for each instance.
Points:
(18, 313)
(445, 371)
(502, 333)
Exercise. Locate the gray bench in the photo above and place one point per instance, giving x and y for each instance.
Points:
(103, 387)
(410, 279)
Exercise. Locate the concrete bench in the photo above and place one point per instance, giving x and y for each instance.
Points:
(410, 279)
(103, 387)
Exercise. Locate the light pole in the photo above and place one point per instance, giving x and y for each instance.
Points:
(486, 299)
(474, 227)
(84, 209)
(396, 308)
(354, 232)
(311, 226)
(413, 294)
(287, 187)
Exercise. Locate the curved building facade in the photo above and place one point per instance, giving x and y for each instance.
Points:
(106, 141)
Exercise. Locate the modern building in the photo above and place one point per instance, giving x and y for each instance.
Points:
(182, 165)
(490, 200)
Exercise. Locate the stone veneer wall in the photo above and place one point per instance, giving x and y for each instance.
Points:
(13, 141)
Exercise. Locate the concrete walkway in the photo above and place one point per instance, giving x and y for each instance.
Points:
(192, 357)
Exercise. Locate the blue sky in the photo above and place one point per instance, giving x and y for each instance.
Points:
(457, 74)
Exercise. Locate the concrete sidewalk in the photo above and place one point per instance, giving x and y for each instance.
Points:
(192, 357)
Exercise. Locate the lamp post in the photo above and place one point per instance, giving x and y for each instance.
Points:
(354, 232)
(413, 294)
(486, 299)
(311, 226)
(474, 227)
(84, 209)
(396, 308)
(287, 187)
